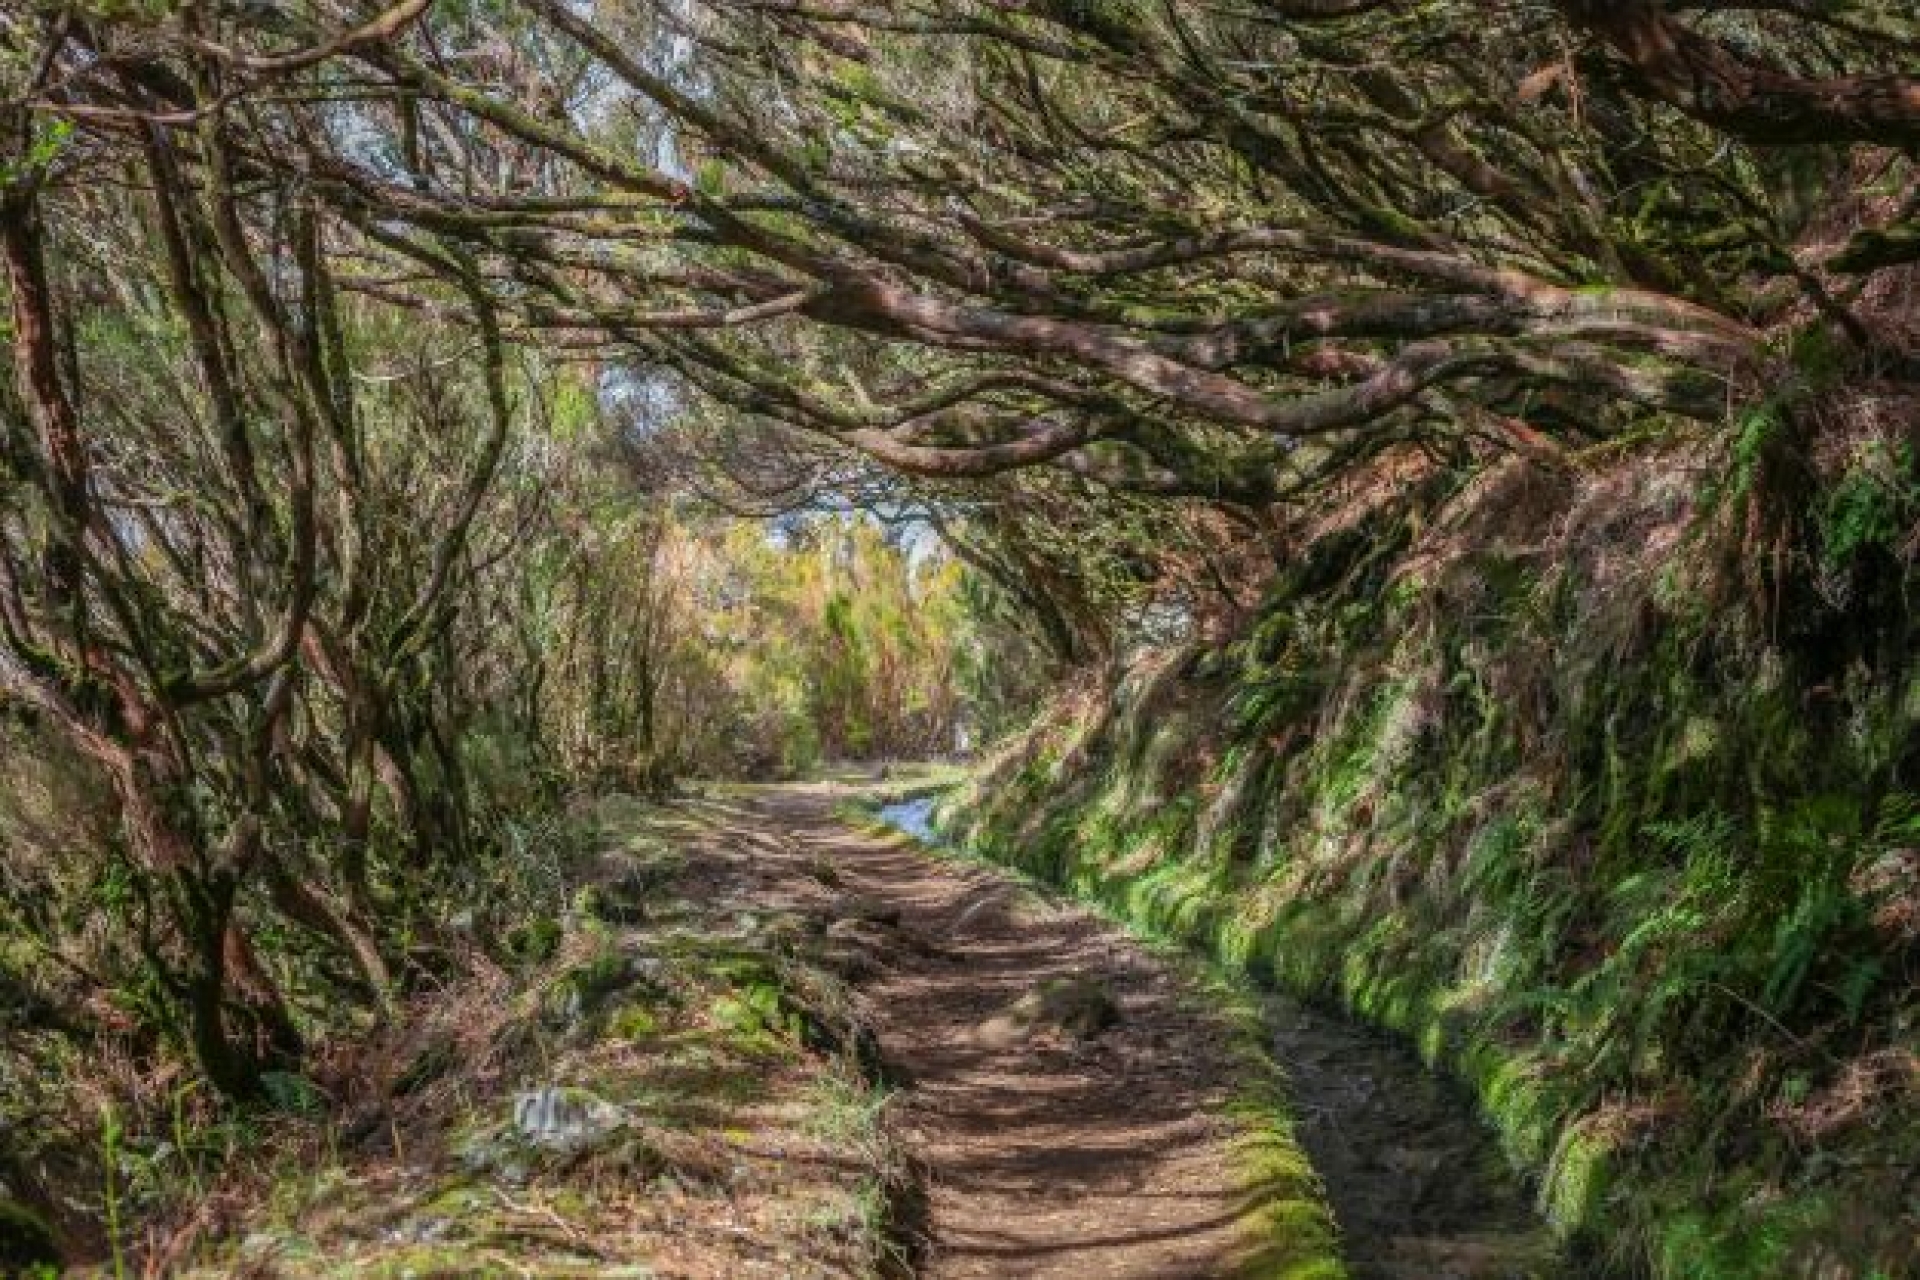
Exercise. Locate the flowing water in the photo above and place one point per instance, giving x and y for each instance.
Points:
(914, 817)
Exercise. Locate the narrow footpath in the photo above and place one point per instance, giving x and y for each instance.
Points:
(1047, 1149)
(1044, 1155)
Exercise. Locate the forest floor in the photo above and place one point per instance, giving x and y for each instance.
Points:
(767, 1042)
(771, 1039)
(670, 1087)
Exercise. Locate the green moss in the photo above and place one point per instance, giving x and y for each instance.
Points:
(1294, 1234)
(1292, 1229)
(632, 1021)
(1574, 1188)
(534, 941)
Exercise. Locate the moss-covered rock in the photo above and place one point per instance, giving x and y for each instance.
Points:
(1077, 1007)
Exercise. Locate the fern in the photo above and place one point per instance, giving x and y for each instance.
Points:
(1824, 912)
(1874, 503)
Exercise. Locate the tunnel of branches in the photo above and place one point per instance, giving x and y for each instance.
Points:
(361, 356)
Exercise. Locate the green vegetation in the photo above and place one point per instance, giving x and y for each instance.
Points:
(822, 640)
(1422, 500)
(1522, 799)
(667, 1111)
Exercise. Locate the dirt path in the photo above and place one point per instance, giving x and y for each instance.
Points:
(1054, 1156)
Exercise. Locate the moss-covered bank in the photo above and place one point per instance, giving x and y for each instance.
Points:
(1598, 781)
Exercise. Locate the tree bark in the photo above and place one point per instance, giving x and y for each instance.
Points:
(1698, 75)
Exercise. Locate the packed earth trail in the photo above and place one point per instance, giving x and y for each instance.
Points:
(1115, 1150)
(1044, 1155)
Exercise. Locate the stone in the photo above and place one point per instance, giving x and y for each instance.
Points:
(855, 929)
(868, 910)
(562, 1118)
(1077, 1007)
(989, 908)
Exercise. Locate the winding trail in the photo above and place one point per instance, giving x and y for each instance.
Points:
(1052, 1157)
(1112, 1156)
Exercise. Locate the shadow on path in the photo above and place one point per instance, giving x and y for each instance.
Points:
(1054, 1157)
